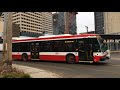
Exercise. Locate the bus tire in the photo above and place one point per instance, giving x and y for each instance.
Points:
(71, 59)
(24, 57)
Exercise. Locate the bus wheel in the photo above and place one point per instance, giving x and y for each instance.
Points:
(24, 57)
(70, 59)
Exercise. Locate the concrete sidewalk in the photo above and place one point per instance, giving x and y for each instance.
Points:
(36, 73)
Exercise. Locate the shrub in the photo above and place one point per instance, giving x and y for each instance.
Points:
(15, 75)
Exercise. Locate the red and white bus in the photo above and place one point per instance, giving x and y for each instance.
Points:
(68, 48)
(1, 43)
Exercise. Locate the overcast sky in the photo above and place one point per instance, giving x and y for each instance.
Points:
(85, 19)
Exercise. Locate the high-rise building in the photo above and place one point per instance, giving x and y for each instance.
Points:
(107, 22)
(59, 24)
(99, 22)
(33, 23)
(112, 23)
(1, 25)
(15, 28)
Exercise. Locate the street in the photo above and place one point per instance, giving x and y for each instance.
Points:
(108, 69)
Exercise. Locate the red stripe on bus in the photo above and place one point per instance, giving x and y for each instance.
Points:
(19, 57)
(16, 57)
(55, 58)
(77, 58)
(52, 57)
(97, 58)
(46, 57)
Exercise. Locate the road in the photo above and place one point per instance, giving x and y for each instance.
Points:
(108, 69)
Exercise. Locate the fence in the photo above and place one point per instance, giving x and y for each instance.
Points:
(114, 46)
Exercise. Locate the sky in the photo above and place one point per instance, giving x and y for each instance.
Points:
(85, 19)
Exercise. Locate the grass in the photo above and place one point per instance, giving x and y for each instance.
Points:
(6, 72)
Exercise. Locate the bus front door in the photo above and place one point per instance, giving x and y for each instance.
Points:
(85, 53)
(35, 51)
(82, 53)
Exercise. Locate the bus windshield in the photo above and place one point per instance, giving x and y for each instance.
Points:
(96, 45)
(90, 42)
(103, 45)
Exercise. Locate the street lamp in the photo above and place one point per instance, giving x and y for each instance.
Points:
(86, 28)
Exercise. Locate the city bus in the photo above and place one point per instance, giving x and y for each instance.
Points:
(67, 48)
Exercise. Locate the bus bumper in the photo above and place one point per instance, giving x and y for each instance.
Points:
(104, 58)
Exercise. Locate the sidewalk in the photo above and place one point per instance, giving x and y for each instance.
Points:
(36, 73)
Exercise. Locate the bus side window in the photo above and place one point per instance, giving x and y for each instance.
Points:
(58, 46)
(70, 45)
(16, 47)
(89, 46)
(46, 46)
(81, 45)
(42, 46)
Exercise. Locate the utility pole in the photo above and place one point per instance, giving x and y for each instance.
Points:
(4, 38)
(7, 40)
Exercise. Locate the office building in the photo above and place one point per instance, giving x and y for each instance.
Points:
(33, 23)
(15, 28)
(112, 23)
(59, 24)
(1, 25)
(99, 22)
(107, 22)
